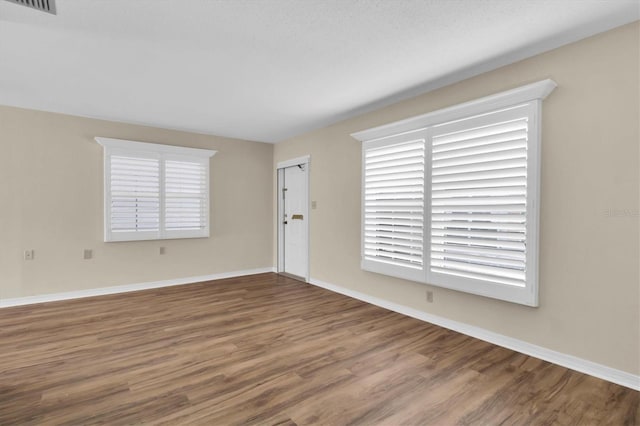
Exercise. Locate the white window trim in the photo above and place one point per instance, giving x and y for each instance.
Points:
(530, 94)
(163, 152)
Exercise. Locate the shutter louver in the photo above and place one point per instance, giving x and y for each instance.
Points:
(394, 204)
(135, 194)
(479, 201)
(185, 195)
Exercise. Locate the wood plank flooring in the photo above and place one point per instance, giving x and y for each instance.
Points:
(270, 350)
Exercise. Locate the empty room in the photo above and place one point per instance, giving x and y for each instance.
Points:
(320, 212)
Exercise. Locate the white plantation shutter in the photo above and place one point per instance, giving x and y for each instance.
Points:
(479, 198)
(186, 201)
(393, 204)
(155, 191)
(450, 198)
(135, 194)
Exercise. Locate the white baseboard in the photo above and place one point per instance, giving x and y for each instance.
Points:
(29, 300)
(569, 361)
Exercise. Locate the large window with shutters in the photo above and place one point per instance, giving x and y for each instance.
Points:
(154, 191)
(451, 198)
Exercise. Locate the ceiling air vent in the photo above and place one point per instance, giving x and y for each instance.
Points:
(43, 5)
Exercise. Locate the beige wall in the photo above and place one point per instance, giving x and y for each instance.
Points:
(589, 273)
(51, 200)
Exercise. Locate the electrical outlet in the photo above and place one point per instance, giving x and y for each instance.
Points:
(163, 250)
(29, 254)
(429, 296)
(88, 254)
(313, 205)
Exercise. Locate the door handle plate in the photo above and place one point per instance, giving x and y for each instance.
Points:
(297, 216)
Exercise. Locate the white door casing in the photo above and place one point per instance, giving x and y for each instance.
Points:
(293, 217)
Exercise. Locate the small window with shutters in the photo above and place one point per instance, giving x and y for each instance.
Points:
(154, 191)
(451, 198)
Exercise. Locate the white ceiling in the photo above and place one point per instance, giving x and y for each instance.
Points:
(267, 70)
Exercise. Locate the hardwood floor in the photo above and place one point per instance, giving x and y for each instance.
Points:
(266, 349)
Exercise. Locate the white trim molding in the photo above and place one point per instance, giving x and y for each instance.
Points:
(154, 147)
(305, 159)
(30, 300)
(569, 361)
(530, 92)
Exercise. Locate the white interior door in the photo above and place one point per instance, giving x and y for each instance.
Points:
(294, 220)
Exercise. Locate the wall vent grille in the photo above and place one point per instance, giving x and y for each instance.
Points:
(48, 6)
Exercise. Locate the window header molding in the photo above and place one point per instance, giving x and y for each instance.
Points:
(527, 93)
(154, 147)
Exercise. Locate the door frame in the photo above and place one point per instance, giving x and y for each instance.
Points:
(306, 162)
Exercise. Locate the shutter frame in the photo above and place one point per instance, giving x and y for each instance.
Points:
(527, 293)
(416, 250)
(202, 195)
(136, 179)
